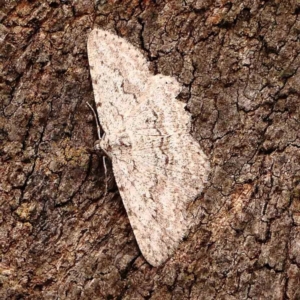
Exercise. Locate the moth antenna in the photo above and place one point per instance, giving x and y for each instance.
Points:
(96, 119)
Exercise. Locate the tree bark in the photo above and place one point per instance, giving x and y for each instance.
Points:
(62, 237)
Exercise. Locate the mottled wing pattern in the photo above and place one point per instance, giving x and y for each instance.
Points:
(158, 166)
(163, 171)
(112, 61)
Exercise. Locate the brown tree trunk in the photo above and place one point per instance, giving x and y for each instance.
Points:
(61, 237)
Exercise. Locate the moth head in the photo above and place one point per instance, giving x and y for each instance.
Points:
(103, 145)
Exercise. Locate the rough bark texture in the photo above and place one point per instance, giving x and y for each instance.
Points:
(62, 238)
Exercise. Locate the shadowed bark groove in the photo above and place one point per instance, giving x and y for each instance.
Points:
(61, 237)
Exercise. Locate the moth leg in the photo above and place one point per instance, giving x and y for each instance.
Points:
(105, 172)
(98, 147)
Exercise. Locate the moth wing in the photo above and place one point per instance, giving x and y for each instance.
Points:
(166, 169)
(160, 168)
(160, 135)
(119, 72)
(141, 208)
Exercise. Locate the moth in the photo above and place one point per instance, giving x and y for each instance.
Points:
(158, 166)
